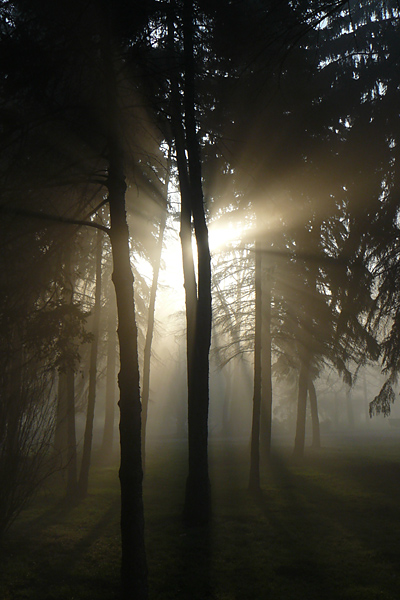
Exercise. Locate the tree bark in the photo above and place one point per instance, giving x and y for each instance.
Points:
(197, 510)
(349, 407)
(316, 434)
(151, 314)
(108, 432)
(266, 353)
(226, 429)
(133, 564)
(133, 554)
(72, 470)
(300, 438)
(198, 499)
(66, 401)
(88, 438)
(254, 480)
(61, 430)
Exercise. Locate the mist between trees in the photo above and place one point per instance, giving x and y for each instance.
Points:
(218, 183)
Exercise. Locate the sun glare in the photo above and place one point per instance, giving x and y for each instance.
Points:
(171, 273)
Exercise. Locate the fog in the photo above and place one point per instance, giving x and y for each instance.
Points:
(343, 409)
(199, 299)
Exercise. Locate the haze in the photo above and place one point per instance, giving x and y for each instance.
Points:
(199, 310)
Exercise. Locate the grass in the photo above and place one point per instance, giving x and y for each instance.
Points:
(326, 527)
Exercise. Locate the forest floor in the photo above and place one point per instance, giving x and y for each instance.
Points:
(326, 527)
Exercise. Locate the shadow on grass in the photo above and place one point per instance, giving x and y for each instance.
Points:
(297, 560)
(63, 556)
(327, 515)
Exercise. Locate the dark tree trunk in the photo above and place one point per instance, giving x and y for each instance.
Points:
(227, 400)
(88, 438)
(108, 432)
(197, 508)
(61, 430)
(65, 434)
(254, 480)
(65, 437)
(266, 386)
(72, 470)
(336, 411)
(151, 314)
(133, 564)
(349, 407)
(133, 554)
(366, 397)
(300, 438)
(197, 501)
(316, 435)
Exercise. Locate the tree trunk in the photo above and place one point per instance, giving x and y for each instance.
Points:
(336, 411)
(366, 397)
(316, 435)
(67, 387)
(133, 554)
(226, 421)
(88, 438)
(197, 508)
(61, 430)
(150, 320)
(72, 471)
(254, 480)
(198, 500)
(108, 432)
(133, 563)
(301, 412)
(266, 353)
(349, 407)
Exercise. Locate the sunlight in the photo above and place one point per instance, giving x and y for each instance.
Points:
(171, 288)
(220, 237)
(171, 273)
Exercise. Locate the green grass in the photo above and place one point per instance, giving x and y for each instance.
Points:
(327, 527)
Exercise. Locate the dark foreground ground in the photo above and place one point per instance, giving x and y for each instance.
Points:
(325, 528)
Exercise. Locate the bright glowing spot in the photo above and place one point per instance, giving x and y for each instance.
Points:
(220, 237)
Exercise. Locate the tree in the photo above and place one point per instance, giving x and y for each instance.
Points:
(83, 480)
(254, 482)
(197, 293)
(111, 360)
(156, 262)
(90, 158)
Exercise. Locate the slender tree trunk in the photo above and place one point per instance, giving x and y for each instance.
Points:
(198, 500)
(336, 411)
(65, 437)
(151, 314)
(11, 451)
(226, 430)
(61, 431)
(266, 386)
(133, 563)
(72, 469)
(133, 554)
(350, 411)
(300, 438)
(197, 508)
(68, 387)
(108, 432)
(88, 438)
(254, 480)
(366, 398)
(316, 435)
